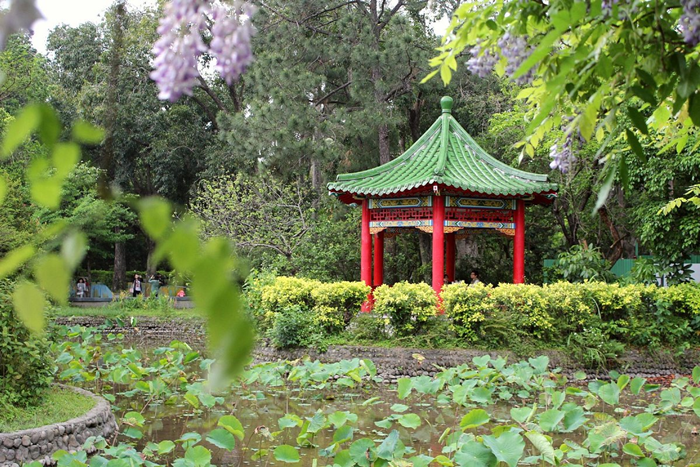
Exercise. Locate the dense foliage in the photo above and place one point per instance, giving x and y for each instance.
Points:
(25, 364)
(594, 321)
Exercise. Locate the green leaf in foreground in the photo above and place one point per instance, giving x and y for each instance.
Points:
(473, 419)
(609, 393)
(543, 444)
(404, 387)
(87, 133)
(14, 259)
(3, 189)
(232, 425)
(156, 215)
(19, 129)
(409, 420)
(508, 447)
(475, 454)
(52, 274)
(632, 450)
(198, 455)
(29, 303)
(222, 439)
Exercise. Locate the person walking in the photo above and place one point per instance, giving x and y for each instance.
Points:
(137, 285)
(155, 285)
(81, 288)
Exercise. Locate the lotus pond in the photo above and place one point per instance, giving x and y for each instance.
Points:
(486, 412)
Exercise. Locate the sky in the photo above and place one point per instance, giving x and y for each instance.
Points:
(71, 12)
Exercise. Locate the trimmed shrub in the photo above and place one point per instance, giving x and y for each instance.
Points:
(252, 295)
(25, 367)
(468, 306)
(283, 293)
(368, 327)
(336, 303)
(294, 327)
(595, 316)
(408, 306)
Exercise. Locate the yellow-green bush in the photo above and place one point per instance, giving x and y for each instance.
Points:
(330, 306)
(640, 315)
(336, 303)
(285, 293)
(569, 306)
(527, 303)
(468, 306)
(408, 306)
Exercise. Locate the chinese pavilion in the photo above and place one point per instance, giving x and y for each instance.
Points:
(447, 185)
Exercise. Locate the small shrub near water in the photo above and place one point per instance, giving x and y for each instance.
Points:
(25, 368)
(294, 327)
(408, 306)
(336, 303)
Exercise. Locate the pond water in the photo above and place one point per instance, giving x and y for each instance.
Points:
(258, 411)
(277, 404)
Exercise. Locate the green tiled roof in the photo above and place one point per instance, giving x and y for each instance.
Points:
(445, 155)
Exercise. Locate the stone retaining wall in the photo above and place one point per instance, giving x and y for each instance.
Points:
(39, 443)
(397, 363)
(146, 330)
(391, 363)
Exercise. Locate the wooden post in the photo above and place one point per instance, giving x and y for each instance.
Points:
(378, 259)
(366, 254)
(450, 256)
(438, 242)
(519, 243)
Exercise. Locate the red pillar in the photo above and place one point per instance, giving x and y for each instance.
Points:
(438, 242)
(366, 254)
(450, 256)
(378, 259)
(519, 243)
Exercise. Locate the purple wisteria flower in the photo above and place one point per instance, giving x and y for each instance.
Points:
(20, 16)
(690, 22)
(516, 50)
(562, 155)
(175, 66)
(482, 63)
(230, 43)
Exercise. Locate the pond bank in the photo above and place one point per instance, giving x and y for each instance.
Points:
(39, 443)
(391, 363)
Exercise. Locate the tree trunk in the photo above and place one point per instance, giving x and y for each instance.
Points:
(119, 278)
(384, 149)
(151, 266)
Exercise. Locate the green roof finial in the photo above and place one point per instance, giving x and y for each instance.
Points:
(446, 104)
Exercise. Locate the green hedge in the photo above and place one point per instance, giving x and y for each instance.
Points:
(408, 306)
(594, 316)
(637, 315)
(277, 303)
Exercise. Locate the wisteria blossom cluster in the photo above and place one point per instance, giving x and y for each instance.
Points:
(481, 62)
(607, 7)
(690, 22)
(562, 155)
(516, 50)
(175, 66)
(20, 16)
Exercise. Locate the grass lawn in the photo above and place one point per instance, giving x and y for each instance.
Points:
(59, 405)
